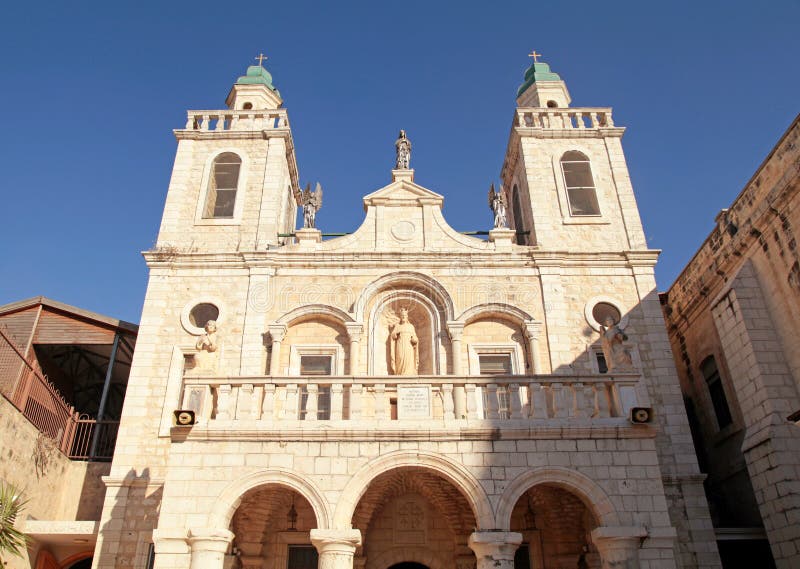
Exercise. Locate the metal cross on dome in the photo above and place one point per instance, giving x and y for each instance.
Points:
(535, 56)
(260, 57)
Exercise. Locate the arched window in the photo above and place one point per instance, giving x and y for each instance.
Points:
(222, 185)
(580, 184)
(716, 391)
(516, 208)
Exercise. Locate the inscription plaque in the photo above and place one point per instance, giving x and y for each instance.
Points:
(413, 401)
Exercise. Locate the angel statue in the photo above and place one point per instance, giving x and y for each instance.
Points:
(405, 346)
(612, 338)
(403, 147)
(497, 203)
(312, 203)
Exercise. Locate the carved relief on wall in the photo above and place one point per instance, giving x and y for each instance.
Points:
(410, 520)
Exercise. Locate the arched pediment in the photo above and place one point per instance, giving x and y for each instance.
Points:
(406, 280)
(310, 310)
(500, 309)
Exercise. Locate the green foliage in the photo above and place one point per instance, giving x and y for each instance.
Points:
(12, 540)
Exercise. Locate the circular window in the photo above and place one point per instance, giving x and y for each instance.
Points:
(604, 310)
(202, 313)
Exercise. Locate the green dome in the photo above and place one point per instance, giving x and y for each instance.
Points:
(538, 71)
(257, 75)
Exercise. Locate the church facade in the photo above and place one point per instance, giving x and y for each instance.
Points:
(405, 394)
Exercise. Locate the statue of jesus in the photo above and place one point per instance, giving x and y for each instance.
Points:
(405, 352)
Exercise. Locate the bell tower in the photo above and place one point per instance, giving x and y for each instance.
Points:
(565, 172)
(234, 180)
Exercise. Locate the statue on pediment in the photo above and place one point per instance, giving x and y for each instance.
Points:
(403, 148)
(312, 203)
(497, 203)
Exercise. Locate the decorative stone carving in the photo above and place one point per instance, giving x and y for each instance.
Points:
(497, 203)
(612, 338)
(405, 346)
(312, 203)
(403, 148)
(206, 357)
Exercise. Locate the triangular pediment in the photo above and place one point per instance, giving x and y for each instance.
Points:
(403, 193)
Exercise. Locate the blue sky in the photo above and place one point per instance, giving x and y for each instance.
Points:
(92, 91)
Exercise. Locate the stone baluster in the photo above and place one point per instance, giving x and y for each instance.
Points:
(190, 121)
(590, 400)
(561, 403)
(381, 403)
(460, 402)
(494, 549)
(493, 411)
(579, 118)
(456, 330)
(277, 332)
(291, 407)
(609, 120)
(355, 331)
(312, 399)
(220, 122)
(205, 123)
(268, 406)
(579, 410)
(244, 403)
(538, 401)
(447, 402)
(593, 118)
(336, 547)
(603, 400)
(514, 402)
(472, 402)
(208, 547)
(356, 401)
(520, 118)
(234, 121)
(337, 401)
(619, 546)
(532, 332)
(224, 402)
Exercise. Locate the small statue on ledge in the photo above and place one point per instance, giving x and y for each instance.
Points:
(205, 359)
(312, 203)
(497, 203)
(612, 338)
(403, 148)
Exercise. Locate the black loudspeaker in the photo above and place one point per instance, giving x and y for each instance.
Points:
(641, 415)
(184, 417)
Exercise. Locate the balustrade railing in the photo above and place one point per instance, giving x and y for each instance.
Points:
(233, 120)
(565, 118)
(429, 398)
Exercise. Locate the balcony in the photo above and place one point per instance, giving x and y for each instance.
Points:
(585, 118)
(237, 120)
(408, 404)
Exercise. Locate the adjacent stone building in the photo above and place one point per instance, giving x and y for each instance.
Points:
(403, 395)
(733, 316)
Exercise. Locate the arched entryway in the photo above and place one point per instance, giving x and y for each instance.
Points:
(272, 524)
(556, 530)
(413, 518)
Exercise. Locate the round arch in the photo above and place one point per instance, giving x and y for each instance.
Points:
(73, 559)
(229, 499)
(395, 555)
(495, 308)
(590, 493)
(451, 471)
(409, 280)
(310, 310)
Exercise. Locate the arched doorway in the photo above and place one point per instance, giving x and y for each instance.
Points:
(82, 564)
(273, 522)
(555, 525)
(413, 518)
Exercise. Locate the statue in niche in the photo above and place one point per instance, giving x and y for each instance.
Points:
(405, 346)
(207, 345)
(403, 148)
(312, 203)
(497, 203)
(612, 338)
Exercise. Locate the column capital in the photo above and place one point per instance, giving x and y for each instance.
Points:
(277, 332)
(495, 548)
(619, 546)
(354, 330)
(533, 329)
(455, 328)
(336, 540)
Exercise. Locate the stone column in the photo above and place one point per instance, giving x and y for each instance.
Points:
(277, 333)
(354, 330)
(532, 331)
(456, 330)
(336, 547)
(619, 546)
(495, 549)
(208, 547)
